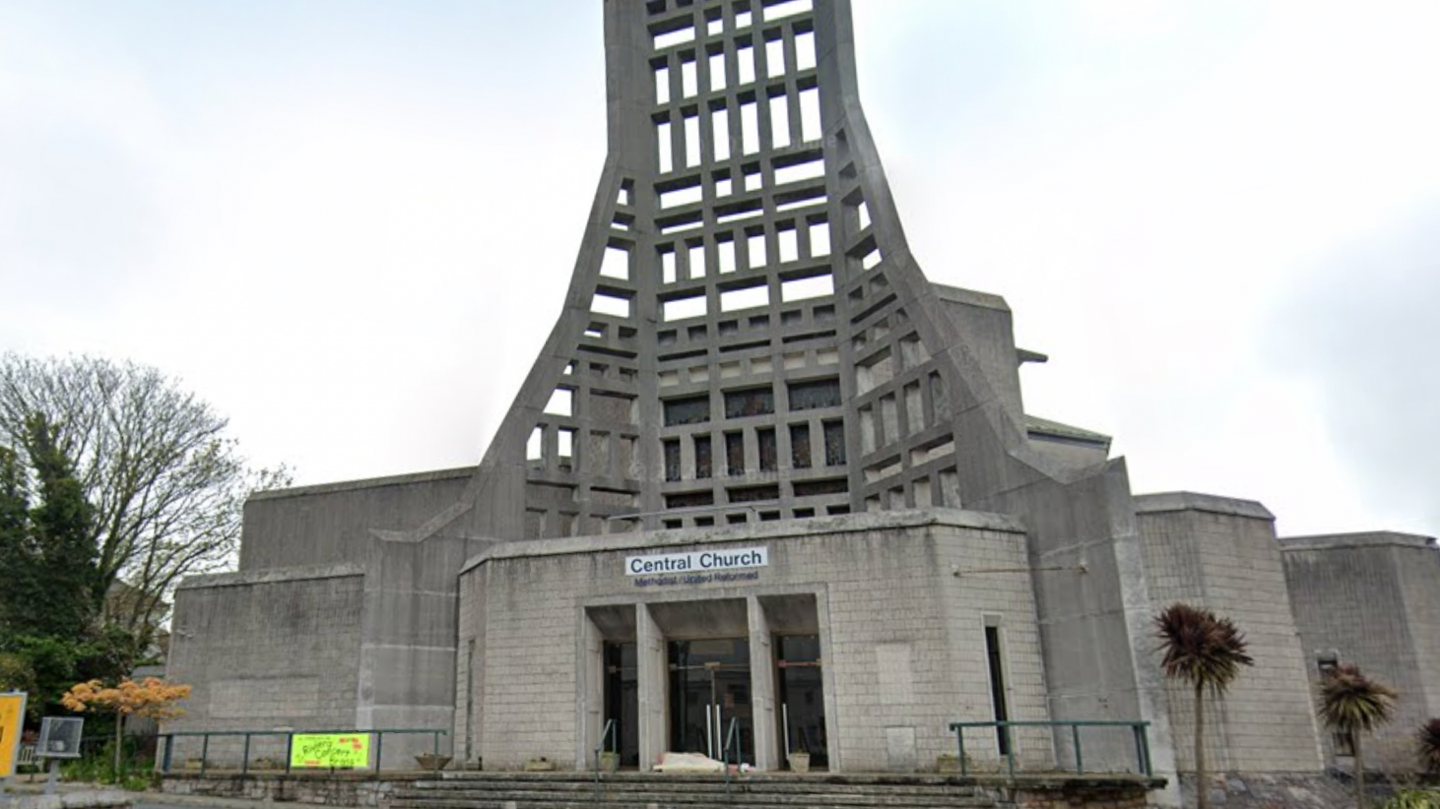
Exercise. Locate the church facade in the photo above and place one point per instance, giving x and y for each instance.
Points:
(767, 485)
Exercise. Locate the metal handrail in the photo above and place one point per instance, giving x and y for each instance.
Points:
(378, 733)
(1139, 728)
(611, 731)
(732, 739)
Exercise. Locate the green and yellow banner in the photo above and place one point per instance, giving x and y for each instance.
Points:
(339, 750)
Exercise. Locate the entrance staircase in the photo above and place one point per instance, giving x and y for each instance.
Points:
(654, 791)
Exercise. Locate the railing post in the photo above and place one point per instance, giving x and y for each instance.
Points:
(204, 753)
(960, 742)
(245, 758)
(1142, 740)
(1139, 749)
(289, 749)
(379, 750)
(165, 761)
(1009, 748)
(435, 750)
(1079, 759)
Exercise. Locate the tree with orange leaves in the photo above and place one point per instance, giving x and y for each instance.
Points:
(151, 698)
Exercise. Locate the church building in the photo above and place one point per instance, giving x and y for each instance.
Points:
(768, 485)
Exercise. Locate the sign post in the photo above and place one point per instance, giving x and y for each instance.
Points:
(12, 727)
(59, 738)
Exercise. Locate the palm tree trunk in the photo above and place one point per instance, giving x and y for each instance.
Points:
(1202, 785)
(1359, 770)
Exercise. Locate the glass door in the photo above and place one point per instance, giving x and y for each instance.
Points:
(802, 697)
(710, 689)
(622, 702)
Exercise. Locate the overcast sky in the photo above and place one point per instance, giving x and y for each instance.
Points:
(350, 225)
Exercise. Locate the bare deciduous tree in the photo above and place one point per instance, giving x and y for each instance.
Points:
(166, 483)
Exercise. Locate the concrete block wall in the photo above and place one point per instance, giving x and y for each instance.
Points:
(334, 523)
(1373, 599)
(408, 647)
(1094, 627)
(1221, 554)
(902, 636)
(266, 650)
(397, 626)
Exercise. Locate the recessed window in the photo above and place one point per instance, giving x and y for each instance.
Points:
(735, 454)
(816, 394)
(752, 402)
(800, 446)
(834, 443)
(703, 461)
(752, 494)
(689, 410)
(672, 459)
(765, 442)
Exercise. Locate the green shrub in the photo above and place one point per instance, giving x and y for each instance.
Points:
(1414, 799)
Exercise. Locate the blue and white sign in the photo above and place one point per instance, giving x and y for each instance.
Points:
(697, 561)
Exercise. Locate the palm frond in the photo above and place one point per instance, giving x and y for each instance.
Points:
(1200, 647)
(1351, 702)
(1427, 743)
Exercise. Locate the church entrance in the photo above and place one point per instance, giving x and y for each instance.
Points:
(709, 695)
(802, 698)
(622, 701)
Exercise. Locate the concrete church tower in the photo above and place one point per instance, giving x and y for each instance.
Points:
(747, 336)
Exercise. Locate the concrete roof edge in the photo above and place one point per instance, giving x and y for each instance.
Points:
(754, 532)
(1037, 425)
(273, 575)
(1358, 539)
(1163, 502)
(367, 483)
(973, 297)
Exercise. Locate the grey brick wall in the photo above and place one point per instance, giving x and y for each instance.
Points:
(1374, 599)
(1221, 554)
(265, 651)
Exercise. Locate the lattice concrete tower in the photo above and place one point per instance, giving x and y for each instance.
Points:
(746, 335)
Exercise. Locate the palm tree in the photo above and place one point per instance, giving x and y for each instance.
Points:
(1206, 651)
(1350, 703)
(1427, 740)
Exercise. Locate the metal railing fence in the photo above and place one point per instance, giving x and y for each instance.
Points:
(205, 735)
(1003, 730)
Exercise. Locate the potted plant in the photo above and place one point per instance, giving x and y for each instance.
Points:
(800, 759)
(430, 761)
(609, 761)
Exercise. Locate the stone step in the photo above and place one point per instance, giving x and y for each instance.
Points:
(852, 784)
(837, 799)
(575, 802)
(468, 791)
(653, 791)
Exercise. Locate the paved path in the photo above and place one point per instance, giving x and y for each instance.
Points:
(145, 800)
